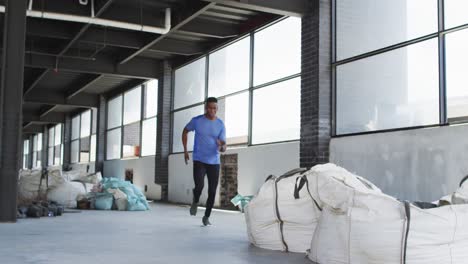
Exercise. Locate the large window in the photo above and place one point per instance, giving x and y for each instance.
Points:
(395, 68)
(457, 78)
(83, 145)
(245, 78)
(55, 145)
(367, 25)
(149, 125)
(403, 92)
(131, 123)
(37, 151)
(25, 154)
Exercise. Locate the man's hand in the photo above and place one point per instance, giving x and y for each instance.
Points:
(186, 157)
(221, 145)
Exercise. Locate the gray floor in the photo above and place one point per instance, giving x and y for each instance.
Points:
(165, 234)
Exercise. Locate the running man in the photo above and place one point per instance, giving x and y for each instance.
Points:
(210, 139)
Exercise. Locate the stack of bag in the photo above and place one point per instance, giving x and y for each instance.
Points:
(347, 219)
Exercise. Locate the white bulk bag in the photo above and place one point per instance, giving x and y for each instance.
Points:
(67, 193)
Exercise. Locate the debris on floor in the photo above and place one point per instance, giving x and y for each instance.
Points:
(46, 192)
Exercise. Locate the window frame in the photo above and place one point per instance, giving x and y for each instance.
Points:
(250, 89)
(140, 121)
(440, 35)
(80, 138)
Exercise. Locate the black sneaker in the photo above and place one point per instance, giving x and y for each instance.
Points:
(193, 209)
(206, 221)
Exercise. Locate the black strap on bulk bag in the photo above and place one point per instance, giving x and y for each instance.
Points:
(463, 180)
(278, 215)
(304, 182)
(271, 176)
(292, 172)
(408, 221)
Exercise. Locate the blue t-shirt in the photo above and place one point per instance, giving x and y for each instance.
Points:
(207, 132)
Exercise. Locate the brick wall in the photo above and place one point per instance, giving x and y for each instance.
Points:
(316, 84)
(101, 134)
(163, 128)
(228, 183)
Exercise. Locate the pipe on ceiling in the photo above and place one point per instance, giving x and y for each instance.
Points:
(101, 21)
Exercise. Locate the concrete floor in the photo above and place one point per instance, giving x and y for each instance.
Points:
(165, 234)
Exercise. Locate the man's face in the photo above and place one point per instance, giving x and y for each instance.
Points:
(211, 109)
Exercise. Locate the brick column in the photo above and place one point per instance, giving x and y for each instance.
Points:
(67, 142)
(163, 138)
(316, 84)
(101, 135)
(45, 147)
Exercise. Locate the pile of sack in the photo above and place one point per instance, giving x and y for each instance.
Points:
(338, 217)
(114, 194)
(78, 189)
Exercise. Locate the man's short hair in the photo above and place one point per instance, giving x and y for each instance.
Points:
(211, 100)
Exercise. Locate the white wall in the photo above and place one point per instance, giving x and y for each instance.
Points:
(254, 165)
(143, 174)
(421, 164)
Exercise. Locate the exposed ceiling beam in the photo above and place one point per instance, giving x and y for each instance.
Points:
(143, 68)
(54, 98)
(48, 110)
(31, 128)
(179, 47)
(82, 85)
(205, 28)
(295, 8)
(177, 25)
(49, 118)
(36, 81)
(83, 29)
(124, 87)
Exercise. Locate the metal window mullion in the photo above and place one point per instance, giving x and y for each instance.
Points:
(122, 126)
(442, 66)
(333, 68)
(207, 69)
(251, 83)
(142, 115)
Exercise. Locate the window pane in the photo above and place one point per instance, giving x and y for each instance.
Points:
(39, 142)
(38, 161)
(403, 92)
(113, 144)
(455, 13)
(61, 154)
(51, 137)
(92, 155)
(149, 137)
(114, 112)
(190, 84)
(181, 119)
(76, 127)
(151, 98)
(50, 157)
(277, 57)
(85, 124)
(457, 79)
(34, 159)
(58, 134)
(84, 149)
(94, 117)
(132, 106)
(58, 155)
(35, 142)
(74, 151)
(131, 143)
(366, 25)
(229, 69)
(26, 147)
(276, 112)
(234, 111)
